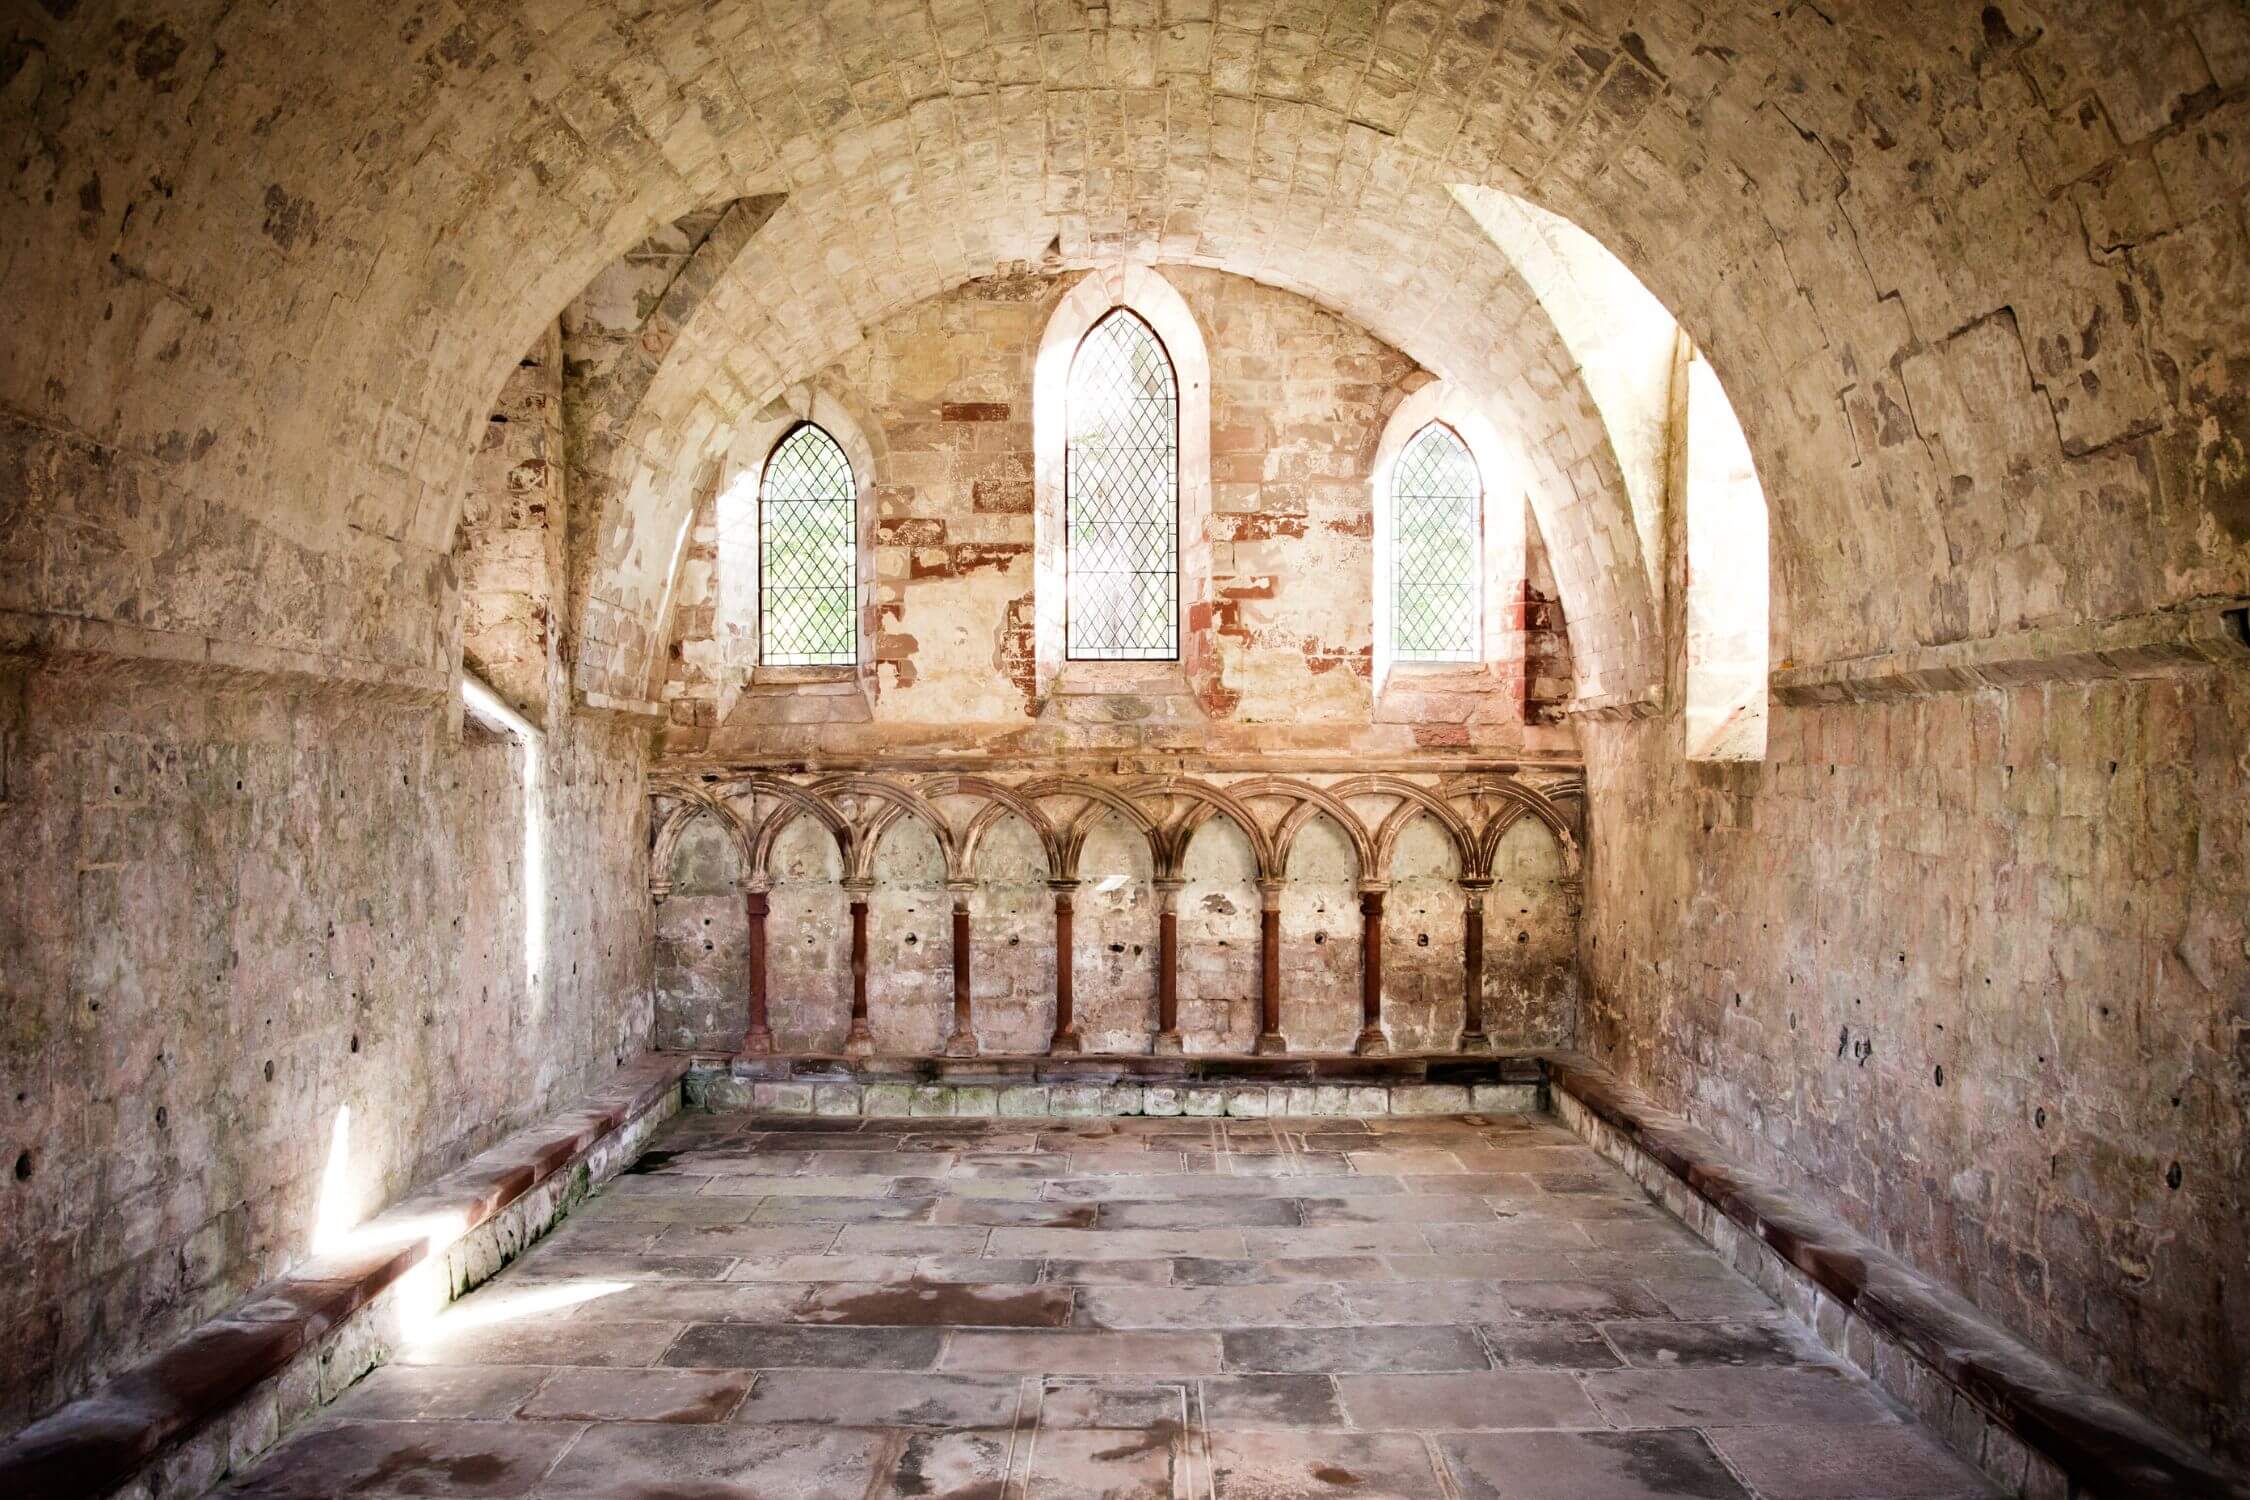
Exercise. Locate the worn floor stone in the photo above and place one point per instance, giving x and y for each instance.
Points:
(1066, 1357)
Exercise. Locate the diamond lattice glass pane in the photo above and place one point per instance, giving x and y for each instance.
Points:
(1435, 494)
(1122, 496)
(808, 525)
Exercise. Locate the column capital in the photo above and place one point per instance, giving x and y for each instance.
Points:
(658, 890)
(961, 887)
(1063, 887)
(1476, 883)
(857, 886)
(759, 884)
(1374, 887)
(1269, 895)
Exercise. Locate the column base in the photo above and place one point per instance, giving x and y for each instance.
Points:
(1270, 1044)
(961, 1044)
(1372, 1043)
(1169, 1044)
(1474, 1041)
(1066, 1044)
(861, 1042)
(758, 1043)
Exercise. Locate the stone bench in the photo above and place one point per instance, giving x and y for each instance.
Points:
(2031, 1424)
(204, 1405)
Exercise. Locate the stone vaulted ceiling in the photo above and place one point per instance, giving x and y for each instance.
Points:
(1963, 271)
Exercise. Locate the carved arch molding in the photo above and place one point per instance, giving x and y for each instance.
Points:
(1473, 810)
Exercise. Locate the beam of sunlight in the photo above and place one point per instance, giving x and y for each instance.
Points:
(1728, 582)
(494, 1306)
(332, 1216)
(488, 707)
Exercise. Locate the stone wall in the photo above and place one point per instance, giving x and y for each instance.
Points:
(942, 395)
(1974, 969)
(234, 910)
(1217, 847)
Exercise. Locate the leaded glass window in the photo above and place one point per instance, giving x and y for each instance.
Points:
(1435, 598)
(1121, 496)
(808, 554)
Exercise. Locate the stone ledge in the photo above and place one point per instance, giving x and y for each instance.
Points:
(1635, 703)
(225, 1390)
(2132, 646)
(2031, 1424)
(610, 706)
(135, 651)
(1340, 1067)
(1084, 1088)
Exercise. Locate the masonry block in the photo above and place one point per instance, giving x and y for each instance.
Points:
(837, 1100)
(1429, 1099)
(891, 1101)
(1024, 1101)
(781, 1098)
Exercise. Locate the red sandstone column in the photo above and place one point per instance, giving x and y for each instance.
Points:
(1270, 1040)
(860, 1042)
(1168, 1042)
(1372, 1042)
(1066, 1024)
(1473, 1038)
(963, 1041)
(757, 1040)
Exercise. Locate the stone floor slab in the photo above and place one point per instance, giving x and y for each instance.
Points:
(1588, 1466)
(1353, 1350)
(1072, 1352)
(1848, 1463)
(639, 1396)
(341, 1459)
(722, 1462)
(1734, 1398)
(1476, 1401)
(1286, 1465)
(871, 1398)
(745, 1346)
(1217, 1308)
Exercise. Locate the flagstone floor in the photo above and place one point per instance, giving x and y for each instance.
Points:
(1013, 1310)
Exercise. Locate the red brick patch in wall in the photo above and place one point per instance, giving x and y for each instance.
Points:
(1002, 496)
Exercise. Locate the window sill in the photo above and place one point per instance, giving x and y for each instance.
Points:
(1423, 676)
(1123, 691)
(785, 678)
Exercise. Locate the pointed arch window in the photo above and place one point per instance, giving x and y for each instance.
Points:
(808, 536)
(1436, 519)
(1121, 489)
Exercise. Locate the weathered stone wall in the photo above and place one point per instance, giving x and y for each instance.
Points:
(231, 911)
(1974, 970)
(1120, 846)
(942, 395)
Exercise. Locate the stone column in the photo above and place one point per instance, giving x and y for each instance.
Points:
(1066, 1025)
(963, 1041)
(1270, 1040)
(1473, 1038)
(1168, 1042)
(757, 1040)
(860, 1041)
(1372, 1042)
